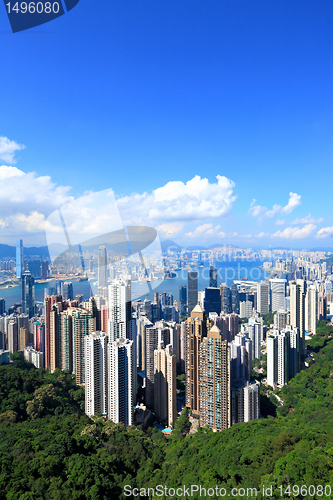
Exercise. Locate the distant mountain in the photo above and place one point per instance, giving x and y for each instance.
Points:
(221, 245)
(10, 251)
(171, 245)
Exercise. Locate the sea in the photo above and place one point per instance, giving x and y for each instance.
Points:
(227, 271)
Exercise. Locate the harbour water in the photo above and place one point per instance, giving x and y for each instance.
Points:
(227, 272)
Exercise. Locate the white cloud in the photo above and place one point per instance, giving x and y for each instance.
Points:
(8, 149)
(280, 222)
(309, 219)
(295, 232)
(324, 232)
(206, 230)
(178, 201)
(169, 230)
(262, 235)
(260, 211)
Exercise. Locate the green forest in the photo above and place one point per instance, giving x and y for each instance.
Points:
(50, 450)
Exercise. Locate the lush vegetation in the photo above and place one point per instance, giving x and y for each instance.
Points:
(50, 450)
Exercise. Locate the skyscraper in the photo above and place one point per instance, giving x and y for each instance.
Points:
(192, 278)
(182, 298)
(278, 293)
(19, 259)
(297, 309)
(96, 376)
(102, 267)
(212, 300)
(263, 298)
(28, 294)
(120, 322)
(165, 396)
(212, 277)
(195, 331)
(67, 291)
(120, 381)
(283, 356)
(2, 307)
(214, 381)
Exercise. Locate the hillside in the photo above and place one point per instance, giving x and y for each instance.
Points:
(50, 450)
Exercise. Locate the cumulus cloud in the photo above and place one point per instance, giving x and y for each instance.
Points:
(280, 222)
(309, 219)
(260, 211)
(181, 201)
(26, 193)
(206, 230)
(8, 149)
(324, 232)
(262, 235)
(169, 230)
(295, 232)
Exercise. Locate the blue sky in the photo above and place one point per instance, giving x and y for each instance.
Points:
(135, 94)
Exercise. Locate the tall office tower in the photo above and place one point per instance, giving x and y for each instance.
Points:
(28, 294)
(278, 293)
(234, 298)
(311, 309)
(165, 395)
(49, 302)
(195, 332)
(212, 300)
(281, 319)
(142, 324)
(120, 322)
(44, 269)
(120, 381)
(283, 356)
(322, 306)
(225, 298)
(12, 336)
(83, 323)
(182, 298)
(192, 287)
(240, 358)
(212, 277)
(96, 376)
(19, 259)
(2, 307)
(214, 381)
(245, 309)
(263, 298)
(102, 267)
(67, 291)
(151, 346)
(297, 308)
(34, 268)
(23, 338)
